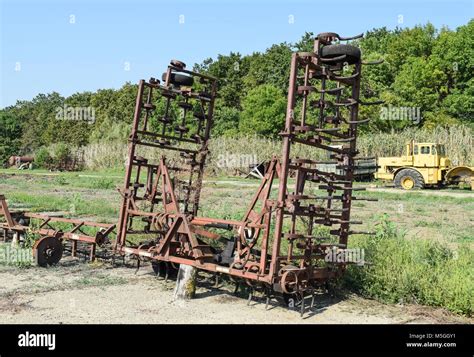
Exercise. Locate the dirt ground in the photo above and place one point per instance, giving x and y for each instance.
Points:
(77, 292)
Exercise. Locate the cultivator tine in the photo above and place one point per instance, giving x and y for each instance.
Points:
(350, 38)
(158, 270)
(138, 266)
(236, 290)
(302, 305)
(361, 232)
(376, 102)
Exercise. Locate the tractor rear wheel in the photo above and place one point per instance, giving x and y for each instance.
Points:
(409, 179)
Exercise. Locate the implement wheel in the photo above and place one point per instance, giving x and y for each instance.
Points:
(409, 179)
(179, 79)
(333, 53)
(48, 251)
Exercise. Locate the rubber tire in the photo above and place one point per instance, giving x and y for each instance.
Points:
(179, 79)
(352, 53)
(413, 174)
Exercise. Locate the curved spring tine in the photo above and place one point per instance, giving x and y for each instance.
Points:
(328, 103)
(371, 63)
(331, 91)
(349, 103)
(345, 140)
(338, 78)
(356, 121)
(351, 38)
(377, 102)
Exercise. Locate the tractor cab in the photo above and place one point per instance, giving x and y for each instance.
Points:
(427, 154)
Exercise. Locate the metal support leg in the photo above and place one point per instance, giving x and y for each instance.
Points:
(74, 248)
(92, 252)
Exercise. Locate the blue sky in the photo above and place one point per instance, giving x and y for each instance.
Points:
(73, 46)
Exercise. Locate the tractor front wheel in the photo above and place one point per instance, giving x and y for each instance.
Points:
(409, 179)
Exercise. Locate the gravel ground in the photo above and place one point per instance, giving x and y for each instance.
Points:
(75, 292)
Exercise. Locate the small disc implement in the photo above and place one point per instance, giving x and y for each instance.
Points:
(47, 251)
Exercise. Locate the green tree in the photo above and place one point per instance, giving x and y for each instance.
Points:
(230, 71)
(271, 67)
(40, 122)
(10, 135)
(114, 111)
(415, 42)
(226, 121)
(263, 111)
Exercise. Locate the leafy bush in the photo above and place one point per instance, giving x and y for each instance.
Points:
(400, 270)
(61, 155)
(43, 158)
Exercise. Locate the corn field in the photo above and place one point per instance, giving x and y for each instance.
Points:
(228, 156)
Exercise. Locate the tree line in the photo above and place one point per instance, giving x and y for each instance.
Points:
(427, 69)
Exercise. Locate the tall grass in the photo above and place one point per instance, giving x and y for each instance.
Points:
(458, 139)
(459, 142)
(413, 271)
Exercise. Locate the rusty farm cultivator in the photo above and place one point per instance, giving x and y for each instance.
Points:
(280, 245)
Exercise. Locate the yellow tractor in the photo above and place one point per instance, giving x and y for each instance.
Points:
(423, 165)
